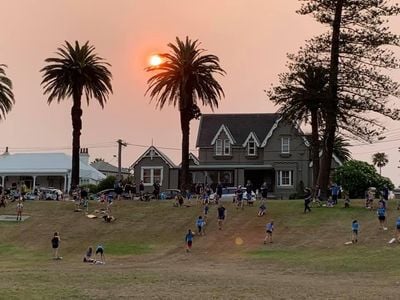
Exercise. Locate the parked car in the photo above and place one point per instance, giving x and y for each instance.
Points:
(169, 194)
(229, 193)
(30, 196)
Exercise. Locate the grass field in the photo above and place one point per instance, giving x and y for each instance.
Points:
(146, 258)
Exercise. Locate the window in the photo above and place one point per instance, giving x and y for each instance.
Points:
(285, 145)
(227, 147)
(218, 147)
(251, 148)
(285, 178)
(150, 175)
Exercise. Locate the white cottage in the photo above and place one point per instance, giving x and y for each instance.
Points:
(45, 170)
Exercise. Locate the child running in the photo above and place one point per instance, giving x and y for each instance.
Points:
(189, 240)
(200, 225)
(381, 212)
(206, 209)
(262, 210)
(269, 229)
(354, 231)
(20, 208)
(221, 216)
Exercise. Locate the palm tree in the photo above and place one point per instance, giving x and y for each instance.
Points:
(301, 95)
(6, 95)
(340, 148)
(185, 77)
(76, 70)
(380, 160)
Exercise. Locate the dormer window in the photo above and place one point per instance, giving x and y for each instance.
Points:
(285, 145)
(251, 148)
(222, 147)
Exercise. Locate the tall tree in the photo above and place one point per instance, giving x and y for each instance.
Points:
(77, 70)
(184, 78)
(6, 94)
(380, 160)
(357, 51)
(301, 94)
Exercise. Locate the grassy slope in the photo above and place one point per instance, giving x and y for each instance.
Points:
(151, 234)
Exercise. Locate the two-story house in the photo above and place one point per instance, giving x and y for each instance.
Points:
(235, 148)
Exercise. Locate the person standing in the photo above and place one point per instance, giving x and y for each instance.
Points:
(55, 243)
(20, 208)
(219, 192)
(141, 190)
(200, 225)
(381, 212)
(398, 229)
(249, 190)
(156, 190)
(264, 191)
(189, 240)
(221, 216)
(335, 190)
(307, 200)
(355, 227)
(269, 229)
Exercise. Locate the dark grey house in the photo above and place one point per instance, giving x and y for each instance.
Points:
(109, 169)
(234, 148)
(155, 166)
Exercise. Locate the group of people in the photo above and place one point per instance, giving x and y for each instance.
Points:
(97, 258)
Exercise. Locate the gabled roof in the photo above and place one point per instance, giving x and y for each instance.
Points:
(104, 166)
(240, 126)
(45, 163)
(252, 136)
(154, 152)
(227, 133)
(194, 158)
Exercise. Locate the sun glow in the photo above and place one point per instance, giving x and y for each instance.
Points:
(155, 60)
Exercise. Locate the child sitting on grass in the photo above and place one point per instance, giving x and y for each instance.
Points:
(88, 256)
(262, 210)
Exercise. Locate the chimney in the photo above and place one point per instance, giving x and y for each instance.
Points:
(6, 152)
(84, 155)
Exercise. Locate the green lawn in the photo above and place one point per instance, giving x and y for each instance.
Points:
(146, 259)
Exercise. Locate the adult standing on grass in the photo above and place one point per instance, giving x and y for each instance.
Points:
(221, 216)
(55, 243)
(381, 212)
(307, 200)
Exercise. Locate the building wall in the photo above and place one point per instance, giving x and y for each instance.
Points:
(155, 162)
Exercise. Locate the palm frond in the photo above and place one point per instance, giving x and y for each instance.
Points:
(6, 94)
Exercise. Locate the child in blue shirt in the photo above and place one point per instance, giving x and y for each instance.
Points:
(189, 240)
(355, 227)
(200, 225)
(381, 212)
(398, 229)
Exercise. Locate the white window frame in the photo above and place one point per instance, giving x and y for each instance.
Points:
(280, 178)
(254, 148)
(152, 174)
(285, 145)
(218, 147)
(227, 146)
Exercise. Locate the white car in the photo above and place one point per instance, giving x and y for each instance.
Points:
(229, 193)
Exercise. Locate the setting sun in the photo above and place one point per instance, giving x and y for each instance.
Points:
(155, 60)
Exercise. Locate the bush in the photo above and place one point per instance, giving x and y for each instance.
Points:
(106, 183)
(357, 176)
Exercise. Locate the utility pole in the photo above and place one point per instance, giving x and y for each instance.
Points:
(120, 144)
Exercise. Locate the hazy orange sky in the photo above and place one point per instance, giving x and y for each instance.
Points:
(251, 38)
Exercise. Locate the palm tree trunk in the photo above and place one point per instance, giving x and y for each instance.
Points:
(185, 127)
(76, 114)
(332, 103)
(315, 145)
